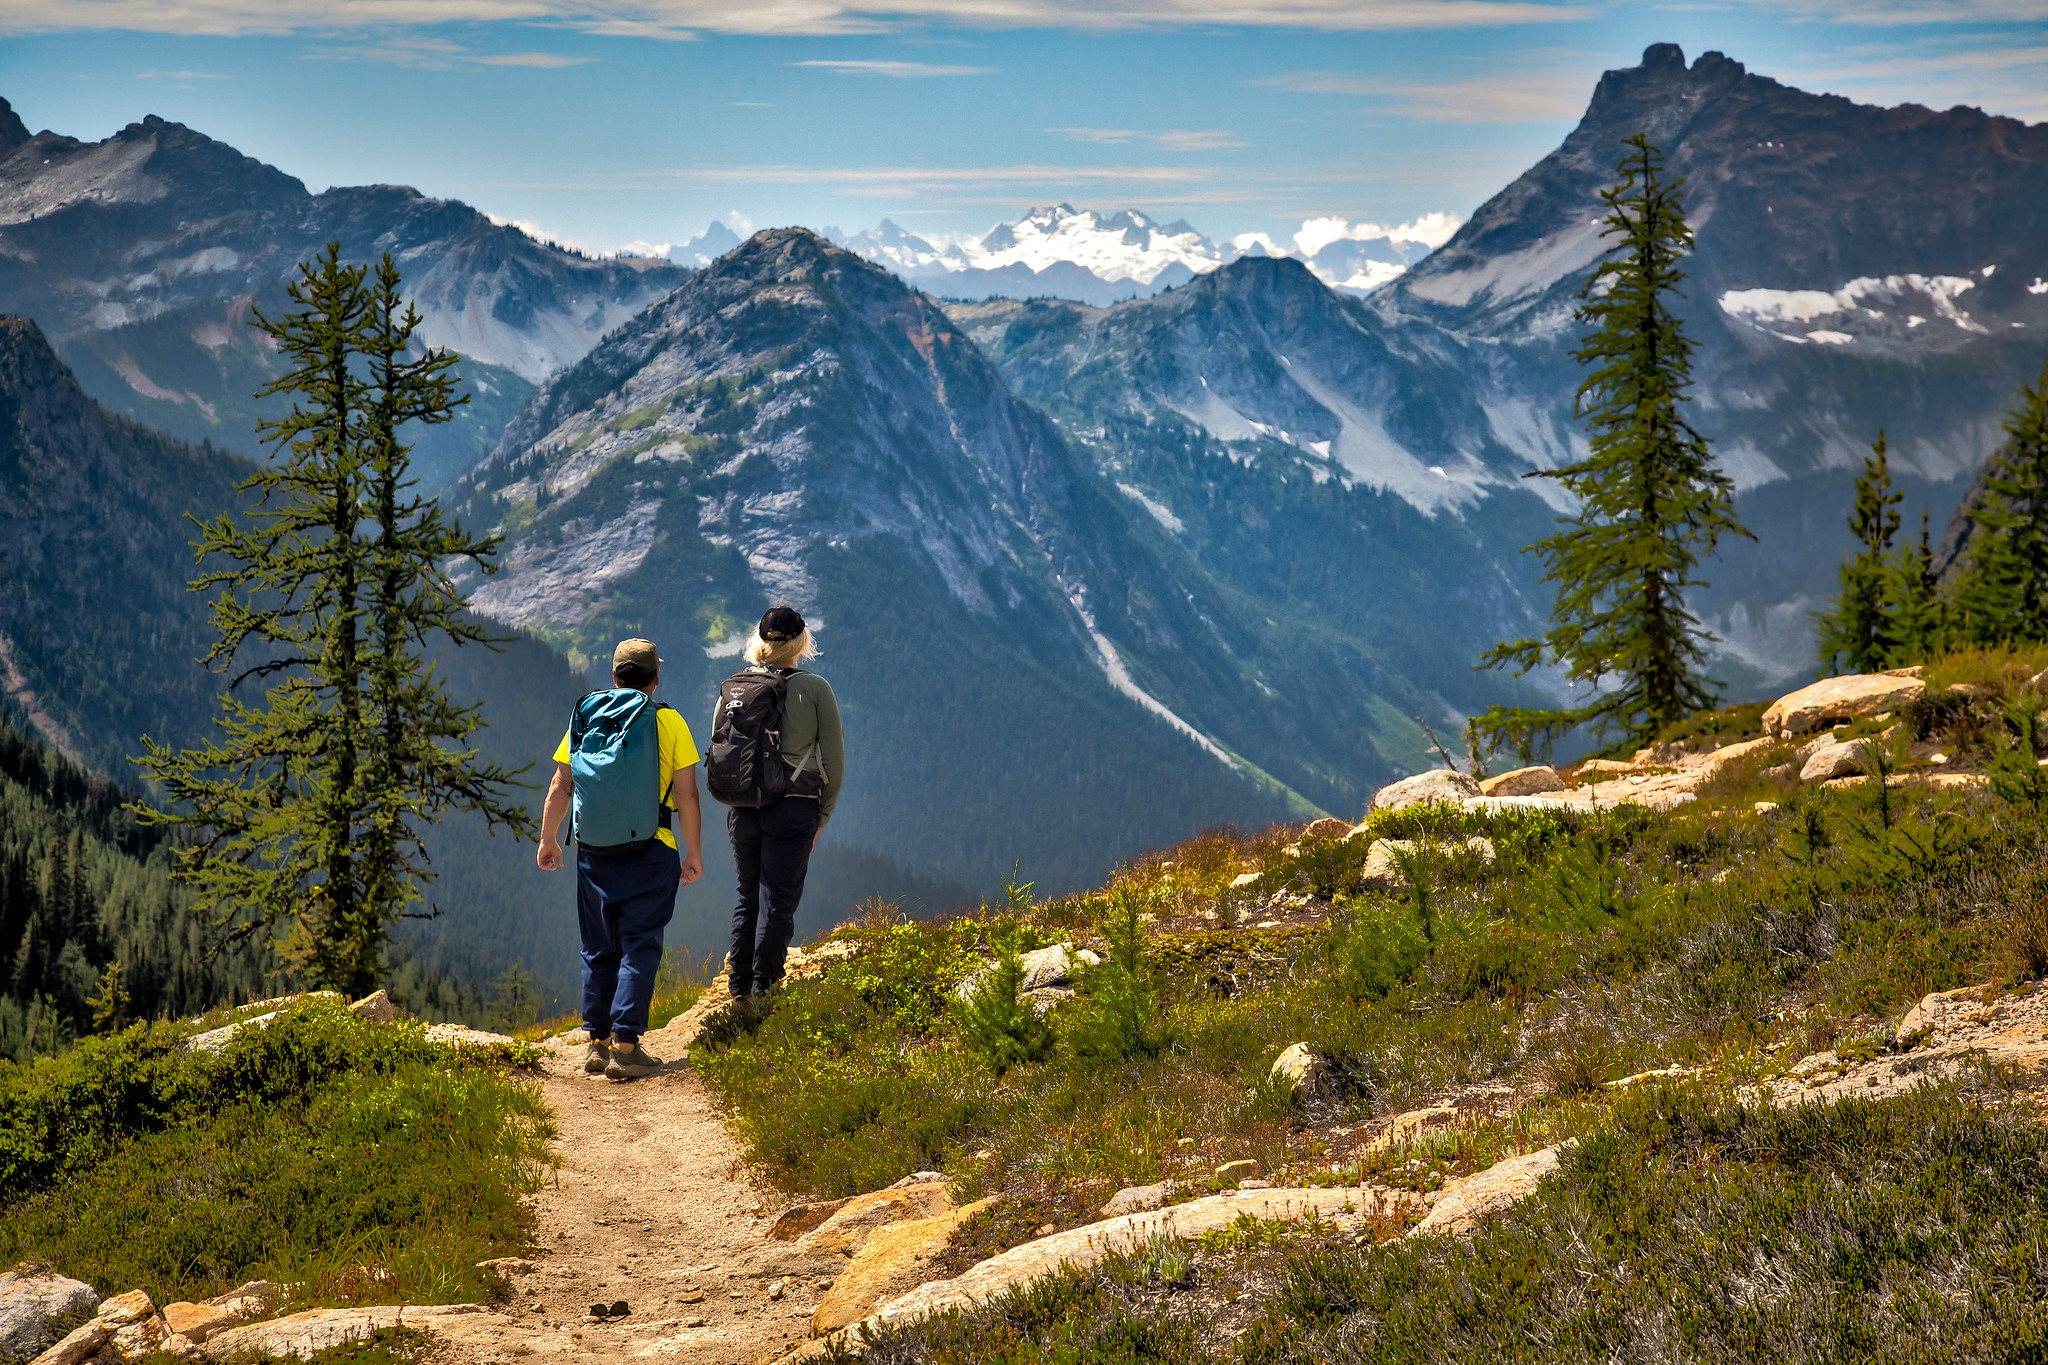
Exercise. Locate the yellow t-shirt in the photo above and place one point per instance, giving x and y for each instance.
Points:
(678, 751)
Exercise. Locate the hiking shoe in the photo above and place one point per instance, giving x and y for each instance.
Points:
(600, 1055)
(631, 1062)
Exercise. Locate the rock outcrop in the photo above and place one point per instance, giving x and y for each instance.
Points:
(34, 1308)
(1043, 968)
(1463, 1204)
(1833, 700)
(301, 1335)
(1298, 1067)
(1382, 872)
(1440, 784)
(1523, 782)
(1832, 760)
(892, 1260)
(1082, 1247)
(823, 1249)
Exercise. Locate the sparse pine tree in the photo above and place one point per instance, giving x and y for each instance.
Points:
(1120, 1012)
(309, 802)
(2003, 596)
(1651, 501)
(1860, 634)
(997, 1020)
(1919, 616)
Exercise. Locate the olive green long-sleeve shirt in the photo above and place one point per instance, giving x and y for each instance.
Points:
(810, 716)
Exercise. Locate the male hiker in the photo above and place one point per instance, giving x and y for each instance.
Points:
(627, 764)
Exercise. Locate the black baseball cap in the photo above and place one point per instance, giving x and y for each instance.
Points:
(780, 625)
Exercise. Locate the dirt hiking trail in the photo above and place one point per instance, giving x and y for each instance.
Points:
(652, 1206)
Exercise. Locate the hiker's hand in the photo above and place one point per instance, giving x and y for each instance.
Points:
(816, 834)
(693, 868)
(550, 856)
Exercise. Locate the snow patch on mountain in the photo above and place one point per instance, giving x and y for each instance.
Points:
(1119, 675)
(1161, 513)
(1867, 306)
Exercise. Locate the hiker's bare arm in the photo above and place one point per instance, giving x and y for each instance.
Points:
(559, 791)
(690, 815)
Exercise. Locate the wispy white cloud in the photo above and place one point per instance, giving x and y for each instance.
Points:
(1107, 135)
(439, 54)
(1904, 13)
(2001, 77)
(1494, 97)
(908, 181)
(536, 59)
(681, 20)
(896, 70)
(1171, 140)
(1196, 140)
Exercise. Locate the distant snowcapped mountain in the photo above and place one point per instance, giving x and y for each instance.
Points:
(706, 247)
(1102, 258)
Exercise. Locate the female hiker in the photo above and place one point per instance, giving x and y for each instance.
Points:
(778, 758)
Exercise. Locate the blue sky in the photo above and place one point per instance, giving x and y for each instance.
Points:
(607, 123)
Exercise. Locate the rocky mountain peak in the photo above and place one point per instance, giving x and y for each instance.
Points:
(13, 132)
(37, 388)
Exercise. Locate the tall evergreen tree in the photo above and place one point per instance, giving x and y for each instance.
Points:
(1919, 616)
(2003, 596)
(309, 803)
(1651, 501)
(1860, 634)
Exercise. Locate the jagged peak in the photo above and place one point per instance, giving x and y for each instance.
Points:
(13, 132)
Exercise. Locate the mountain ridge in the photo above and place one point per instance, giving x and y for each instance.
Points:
(144, 255)
(794, 422)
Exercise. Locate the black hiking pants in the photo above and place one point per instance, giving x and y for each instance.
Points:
(771, 847)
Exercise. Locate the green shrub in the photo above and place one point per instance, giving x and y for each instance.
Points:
(997, 1021)
(1118, 1014)
(1374, 947)
(303, 1151)
(1905, 1230)
(1685, 1228)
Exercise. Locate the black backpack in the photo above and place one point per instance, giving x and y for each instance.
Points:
(744, 766)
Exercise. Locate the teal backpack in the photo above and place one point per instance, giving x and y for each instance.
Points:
(615, 759)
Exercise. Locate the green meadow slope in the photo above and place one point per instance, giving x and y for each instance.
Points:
(1694, 1213)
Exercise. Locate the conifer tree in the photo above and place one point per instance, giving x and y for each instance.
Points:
(2003, 596)
(1651, 500)
(1919, 616)
(1860, 635)
(310, 801)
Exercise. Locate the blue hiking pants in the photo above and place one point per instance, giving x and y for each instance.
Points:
(623, 902)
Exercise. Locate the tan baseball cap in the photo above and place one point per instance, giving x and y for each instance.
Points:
(639, 653)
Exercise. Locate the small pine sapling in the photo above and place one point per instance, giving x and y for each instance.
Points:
(2016, 774)
(1374, 950)
(1121, 1013)
(1418, 865)
(997, 1020)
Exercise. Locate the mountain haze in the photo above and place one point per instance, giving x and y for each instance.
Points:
(144, 255)
(1856, 269)
(1030, 668)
